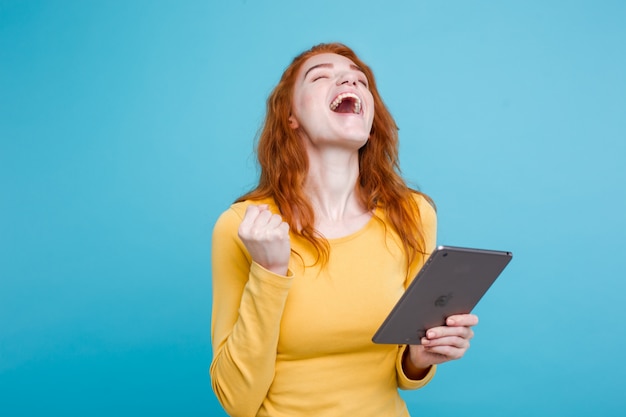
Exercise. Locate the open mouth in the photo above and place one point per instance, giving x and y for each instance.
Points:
(346, 103)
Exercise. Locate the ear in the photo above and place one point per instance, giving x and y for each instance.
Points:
(293, 123)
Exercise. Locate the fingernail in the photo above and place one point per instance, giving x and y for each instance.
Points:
(430, 334)
(451, 322)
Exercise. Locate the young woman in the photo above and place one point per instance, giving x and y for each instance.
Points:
(308, 264)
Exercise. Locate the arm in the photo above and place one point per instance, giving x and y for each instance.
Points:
(441, 344)
(248, 303)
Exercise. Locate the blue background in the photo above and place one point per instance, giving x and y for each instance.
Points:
(126, 127)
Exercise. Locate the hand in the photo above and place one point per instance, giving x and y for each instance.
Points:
(266, 236)
(444, 343)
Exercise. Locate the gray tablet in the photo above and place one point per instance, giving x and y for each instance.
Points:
(452, 281)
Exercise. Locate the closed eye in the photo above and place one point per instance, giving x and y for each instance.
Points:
(363, 80)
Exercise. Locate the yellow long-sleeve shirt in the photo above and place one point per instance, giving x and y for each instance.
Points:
(300, 345)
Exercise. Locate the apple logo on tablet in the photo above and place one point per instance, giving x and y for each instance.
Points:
(442, 300)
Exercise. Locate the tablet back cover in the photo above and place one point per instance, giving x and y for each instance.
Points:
(452, 281)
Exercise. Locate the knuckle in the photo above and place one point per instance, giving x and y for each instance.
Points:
(243, 232)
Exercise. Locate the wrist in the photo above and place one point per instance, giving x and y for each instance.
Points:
(412, 370)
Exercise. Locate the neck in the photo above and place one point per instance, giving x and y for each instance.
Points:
(331, 184)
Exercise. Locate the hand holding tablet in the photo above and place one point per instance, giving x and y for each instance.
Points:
(452, 281)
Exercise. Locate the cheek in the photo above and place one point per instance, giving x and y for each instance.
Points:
(308, 102)
(305, 106)
(370, 102)
(372, 110)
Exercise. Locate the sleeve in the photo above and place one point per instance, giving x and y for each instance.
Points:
(248, 303)
(409, 384)
(428, 216)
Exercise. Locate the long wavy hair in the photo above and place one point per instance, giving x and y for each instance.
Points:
(284, 165)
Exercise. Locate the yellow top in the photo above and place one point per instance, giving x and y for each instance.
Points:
(300, 345)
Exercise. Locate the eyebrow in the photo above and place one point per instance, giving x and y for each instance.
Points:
(329, 65)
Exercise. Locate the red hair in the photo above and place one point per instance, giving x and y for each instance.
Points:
(284, 164)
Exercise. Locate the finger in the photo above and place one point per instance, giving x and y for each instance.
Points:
(454, 341)
(262, 219)
(274, 221)
(462, 320)
(252, 211)
(447, 351)
(444, 331)
(269, 226)
(284, 228)
(254, 221)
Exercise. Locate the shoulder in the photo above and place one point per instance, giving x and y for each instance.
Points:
(425, 204)
(427, 214)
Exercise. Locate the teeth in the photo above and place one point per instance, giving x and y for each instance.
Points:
(341, 97)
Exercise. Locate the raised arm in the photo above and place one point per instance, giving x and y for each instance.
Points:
(248, 303)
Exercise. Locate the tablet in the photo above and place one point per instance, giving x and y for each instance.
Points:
(452, 281)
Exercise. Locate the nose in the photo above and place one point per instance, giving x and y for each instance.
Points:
(348, 78)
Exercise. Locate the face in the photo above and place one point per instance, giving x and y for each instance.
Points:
(332, 103)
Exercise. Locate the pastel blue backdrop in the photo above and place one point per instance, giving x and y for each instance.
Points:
(126, 127)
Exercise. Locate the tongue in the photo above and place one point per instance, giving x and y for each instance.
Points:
(346, 106)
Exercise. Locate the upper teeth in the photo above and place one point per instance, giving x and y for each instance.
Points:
(341, 97)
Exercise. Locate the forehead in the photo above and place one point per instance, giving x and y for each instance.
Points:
(326, 58)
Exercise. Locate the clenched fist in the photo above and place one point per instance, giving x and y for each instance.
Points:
(266, 236)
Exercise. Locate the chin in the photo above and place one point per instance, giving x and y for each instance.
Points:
(357, 143)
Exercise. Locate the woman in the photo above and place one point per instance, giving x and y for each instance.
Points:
(308, 264)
